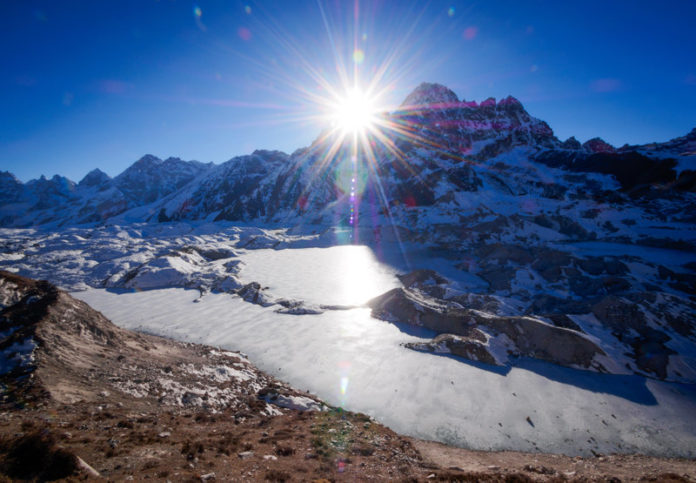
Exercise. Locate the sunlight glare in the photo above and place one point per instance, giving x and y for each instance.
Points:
(360, 275)
(355, 112)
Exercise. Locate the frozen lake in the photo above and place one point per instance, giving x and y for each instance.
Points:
(352, 360)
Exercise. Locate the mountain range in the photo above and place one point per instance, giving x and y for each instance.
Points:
(436, 147)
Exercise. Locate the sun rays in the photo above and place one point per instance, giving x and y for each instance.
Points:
(346, 88)
(355, 112)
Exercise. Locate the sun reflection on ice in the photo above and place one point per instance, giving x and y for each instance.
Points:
(357, 280)
(341, 275)
(344, 369)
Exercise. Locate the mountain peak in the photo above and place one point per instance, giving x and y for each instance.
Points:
(7, 176)
(148, 159)
(598, 145)
(510, 103)
(94, 178)
(427, 94)
(571, 143)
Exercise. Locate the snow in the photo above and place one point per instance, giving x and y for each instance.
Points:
(19, 354)
(300, 403)
(218, 373)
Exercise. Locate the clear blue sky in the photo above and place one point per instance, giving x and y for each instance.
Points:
(86, 84)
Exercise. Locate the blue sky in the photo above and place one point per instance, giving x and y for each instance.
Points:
(87, 84)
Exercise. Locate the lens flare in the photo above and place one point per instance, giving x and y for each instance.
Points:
(355, 112)
(244, 33)
(346, 97)
(470, 33)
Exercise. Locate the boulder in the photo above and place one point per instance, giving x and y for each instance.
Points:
(522, 336)
(472, 348)
(254, 293)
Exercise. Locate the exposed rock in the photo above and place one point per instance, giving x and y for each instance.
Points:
(598, 145)
(503, 253)
(628, 323)
(285, 397)
(499, 278)
(562, 320)
(472, 348)
(571, 143)
(533, 338)
(549, 304)
(426, 280)
(416, 308)
(427, 94)
(474, 301)
(254, 293)
(619, 315)
(297, 307)
(523, 336)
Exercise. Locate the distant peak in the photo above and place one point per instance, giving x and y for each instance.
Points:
(269, 153)
(8, 176)
(490, 102)
(94, 178)
(149, 159)
(510, 101)
(598, 145)
(571, 143)
(97, 172)
(427, 94)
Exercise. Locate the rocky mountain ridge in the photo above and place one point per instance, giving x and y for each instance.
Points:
(431, 126)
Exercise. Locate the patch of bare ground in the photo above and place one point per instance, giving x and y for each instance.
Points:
(96, 402)
(468, 465)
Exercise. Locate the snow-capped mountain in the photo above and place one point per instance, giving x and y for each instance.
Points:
(438, 146)
(96, 198)
(542, 237)
(149, 179)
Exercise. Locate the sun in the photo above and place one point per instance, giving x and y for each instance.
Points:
(355, 112)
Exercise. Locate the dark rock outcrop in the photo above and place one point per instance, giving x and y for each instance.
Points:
(520, 336)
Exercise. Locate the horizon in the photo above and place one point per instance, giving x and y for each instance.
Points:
(210, 81)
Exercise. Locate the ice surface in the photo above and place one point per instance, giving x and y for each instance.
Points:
(340, 275)
(352, 360)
